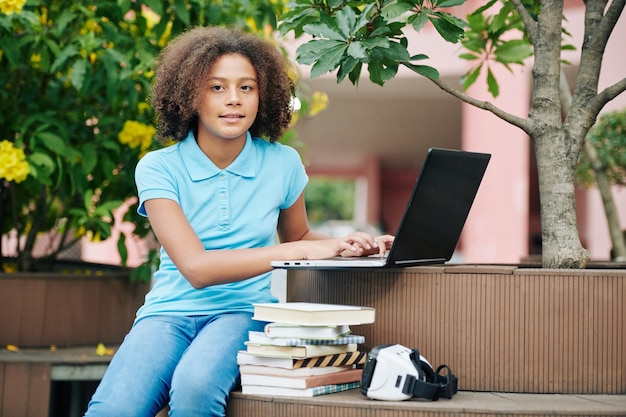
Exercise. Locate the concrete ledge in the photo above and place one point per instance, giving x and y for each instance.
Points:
(465, 403)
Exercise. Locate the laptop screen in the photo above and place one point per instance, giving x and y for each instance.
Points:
(438, 207)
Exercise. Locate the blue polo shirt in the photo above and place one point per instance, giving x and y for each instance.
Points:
(230, 208)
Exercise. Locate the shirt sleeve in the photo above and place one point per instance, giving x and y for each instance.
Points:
(295, 176)
(154, 180)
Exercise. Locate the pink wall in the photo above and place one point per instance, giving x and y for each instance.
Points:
(497, 227)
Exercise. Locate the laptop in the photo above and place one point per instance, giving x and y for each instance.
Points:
(434, 217)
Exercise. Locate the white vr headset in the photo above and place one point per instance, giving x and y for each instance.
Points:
(395, 373)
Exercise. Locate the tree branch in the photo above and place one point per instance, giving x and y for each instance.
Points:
(523, 124)
(529, 22)
(597, 103)
(608, 22)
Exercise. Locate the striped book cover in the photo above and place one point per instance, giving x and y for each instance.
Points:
(338, 359)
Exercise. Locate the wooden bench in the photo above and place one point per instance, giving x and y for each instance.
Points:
(522, 344)
(28, 378)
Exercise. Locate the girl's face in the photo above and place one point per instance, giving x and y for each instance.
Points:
(230, 103)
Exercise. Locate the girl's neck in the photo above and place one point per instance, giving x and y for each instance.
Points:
(222, 152)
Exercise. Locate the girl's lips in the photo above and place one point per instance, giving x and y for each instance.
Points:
(232, 116)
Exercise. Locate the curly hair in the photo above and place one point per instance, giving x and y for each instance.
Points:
(182, 68)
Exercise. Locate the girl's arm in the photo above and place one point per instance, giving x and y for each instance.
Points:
(203, 268)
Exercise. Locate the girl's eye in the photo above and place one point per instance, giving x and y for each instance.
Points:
(246, 88)
(216, 87)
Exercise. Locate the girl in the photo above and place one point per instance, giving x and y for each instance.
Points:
(215, 201)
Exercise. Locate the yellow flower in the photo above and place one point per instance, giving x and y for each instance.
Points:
(11, 6)
(102, 350)
(167, 33)
(319, 101)
(136, 135)
(90, 26)
(13, 164)
(35, 60)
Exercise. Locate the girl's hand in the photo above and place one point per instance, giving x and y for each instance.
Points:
(365, 244)
(356, 244)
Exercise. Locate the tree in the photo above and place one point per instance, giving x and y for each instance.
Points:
(604, 163)
(74, 114)
(350, 34)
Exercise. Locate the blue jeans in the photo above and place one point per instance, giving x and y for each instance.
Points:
(192, 361)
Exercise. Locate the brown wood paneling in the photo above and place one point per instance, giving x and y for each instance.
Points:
(25, 390)
(40, 310)
(498, 328)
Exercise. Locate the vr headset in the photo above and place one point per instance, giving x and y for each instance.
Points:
(395, 373)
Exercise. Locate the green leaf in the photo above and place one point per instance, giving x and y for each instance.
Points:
(394, 10)
(471, 76)
(329, 61)
(348, 64)
(499, 20)
(450, 3)
(87, 199)
(311, 51)
(60, 24)
(52, 142)
(321, 30)
(396, 52)
(450, 28)
(363, 19)
(42, 160)
(514, 51)
(78, 74)
(356, 50)
(90, 156)
(180, 7)
(469, 57)
(419, 21)
(67, 53)
(346, 19)
(425, 70)
(121, 248)
(11, 51)
(492, 84)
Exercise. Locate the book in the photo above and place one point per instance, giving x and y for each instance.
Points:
(306, 332)
(296, 392)
(262, 338)
(271, 370)
(338, 359)
(313, 313)
(341, 377)
(297, 352)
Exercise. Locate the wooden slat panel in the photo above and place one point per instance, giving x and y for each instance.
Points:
(520, 331)
(25, 390)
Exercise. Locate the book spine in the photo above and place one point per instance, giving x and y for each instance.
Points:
(330, 389)
(338, 359)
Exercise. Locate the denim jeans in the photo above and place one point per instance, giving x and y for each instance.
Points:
(189, 361)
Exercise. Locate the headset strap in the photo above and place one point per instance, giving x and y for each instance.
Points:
(444, 385)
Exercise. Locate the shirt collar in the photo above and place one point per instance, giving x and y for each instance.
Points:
(200, 167)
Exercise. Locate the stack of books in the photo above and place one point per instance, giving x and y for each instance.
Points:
(307, 349)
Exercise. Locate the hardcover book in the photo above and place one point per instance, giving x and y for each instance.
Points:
(298, 352)
(301, 382)
(313, 313)
(295, 392)
(271, 370)
(262, 338)
(306, 332)
(338, 359)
